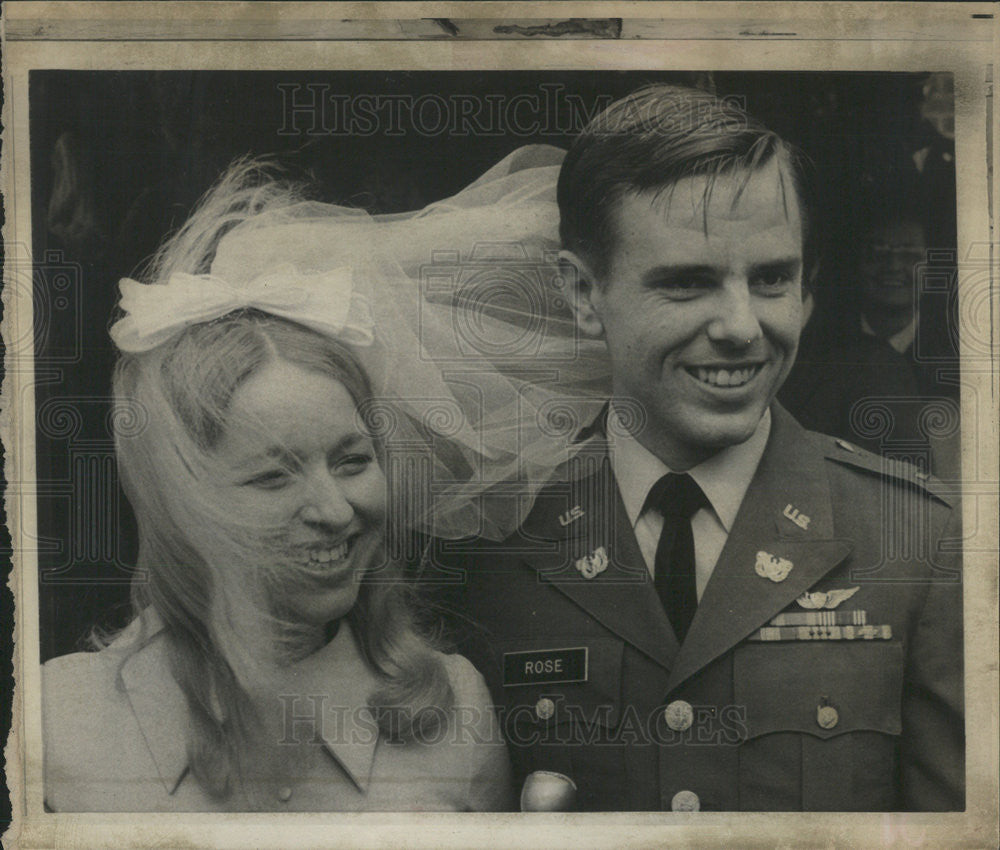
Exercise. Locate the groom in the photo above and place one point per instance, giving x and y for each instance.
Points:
(715, 609)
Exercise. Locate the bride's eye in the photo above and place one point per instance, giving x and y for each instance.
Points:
(272, 479)
(353, 464)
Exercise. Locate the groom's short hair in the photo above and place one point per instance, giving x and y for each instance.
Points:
(648, 141)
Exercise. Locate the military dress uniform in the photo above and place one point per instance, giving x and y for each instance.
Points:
(822, 669)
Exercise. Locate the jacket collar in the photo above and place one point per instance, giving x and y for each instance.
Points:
(337, 674)
(585, 512)
(583, 516)
(791, 478)
(723, 478)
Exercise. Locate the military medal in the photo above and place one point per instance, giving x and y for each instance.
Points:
(772, 567)
(593, 564)
(799, 633)
(821, 618)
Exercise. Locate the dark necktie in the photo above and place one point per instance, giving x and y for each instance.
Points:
(678, 498)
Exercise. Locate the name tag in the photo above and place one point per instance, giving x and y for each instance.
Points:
(545, 666)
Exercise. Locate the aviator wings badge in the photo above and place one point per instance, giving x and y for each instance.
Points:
(826, 600)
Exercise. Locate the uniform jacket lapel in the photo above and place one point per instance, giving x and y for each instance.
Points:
(737, 601)
(580, 517)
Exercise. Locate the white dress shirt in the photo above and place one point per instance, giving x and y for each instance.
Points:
(900, 341)
(723, 478)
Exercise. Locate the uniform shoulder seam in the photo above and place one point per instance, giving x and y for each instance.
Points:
(843, 452)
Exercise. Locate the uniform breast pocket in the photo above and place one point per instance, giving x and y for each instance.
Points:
(562, 707)
(823, 722)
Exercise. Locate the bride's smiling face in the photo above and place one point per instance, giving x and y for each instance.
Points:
(296, 465)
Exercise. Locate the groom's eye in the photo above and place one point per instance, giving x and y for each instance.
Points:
(682, 289)
(681, 282)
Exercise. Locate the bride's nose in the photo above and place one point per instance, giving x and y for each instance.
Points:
(326, 503)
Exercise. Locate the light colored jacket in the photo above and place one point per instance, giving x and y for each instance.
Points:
(115, 726)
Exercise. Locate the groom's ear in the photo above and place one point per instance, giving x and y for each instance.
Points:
(582, 292)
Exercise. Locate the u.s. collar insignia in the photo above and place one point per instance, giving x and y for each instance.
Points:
(772, 567)
(572, 515)
(795, 515)
(828, 599)
(593, 564)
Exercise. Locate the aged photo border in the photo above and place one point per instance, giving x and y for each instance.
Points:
(622, 36)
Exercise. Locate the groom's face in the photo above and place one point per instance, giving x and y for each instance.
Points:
(701, 307)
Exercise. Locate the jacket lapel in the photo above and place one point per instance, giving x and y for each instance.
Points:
(577, 519)
(335, 682)
(157, 701)
(737, 600)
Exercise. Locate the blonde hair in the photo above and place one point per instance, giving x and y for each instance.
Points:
(224, 636)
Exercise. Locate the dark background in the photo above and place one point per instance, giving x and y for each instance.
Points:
(118, 159)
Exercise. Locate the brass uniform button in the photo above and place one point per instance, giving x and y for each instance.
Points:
(545, 708)
(284, 793)
(827, 716)
(679, 715)
(685, 801)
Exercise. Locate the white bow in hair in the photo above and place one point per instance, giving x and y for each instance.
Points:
(324, 301)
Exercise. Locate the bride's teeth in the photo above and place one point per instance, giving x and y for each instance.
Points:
(325, 556)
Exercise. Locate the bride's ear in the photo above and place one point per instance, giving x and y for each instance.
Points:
(581, 289)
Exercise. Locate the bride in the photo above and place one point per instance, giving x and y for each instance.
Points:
(271, 367)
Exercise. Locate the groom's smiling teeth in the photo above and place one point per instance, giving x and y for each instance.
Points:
(725, 377)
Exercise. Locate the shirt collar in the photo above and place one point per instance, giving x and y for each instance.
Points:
(900, 341)
(723, 478)
(336, 680)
